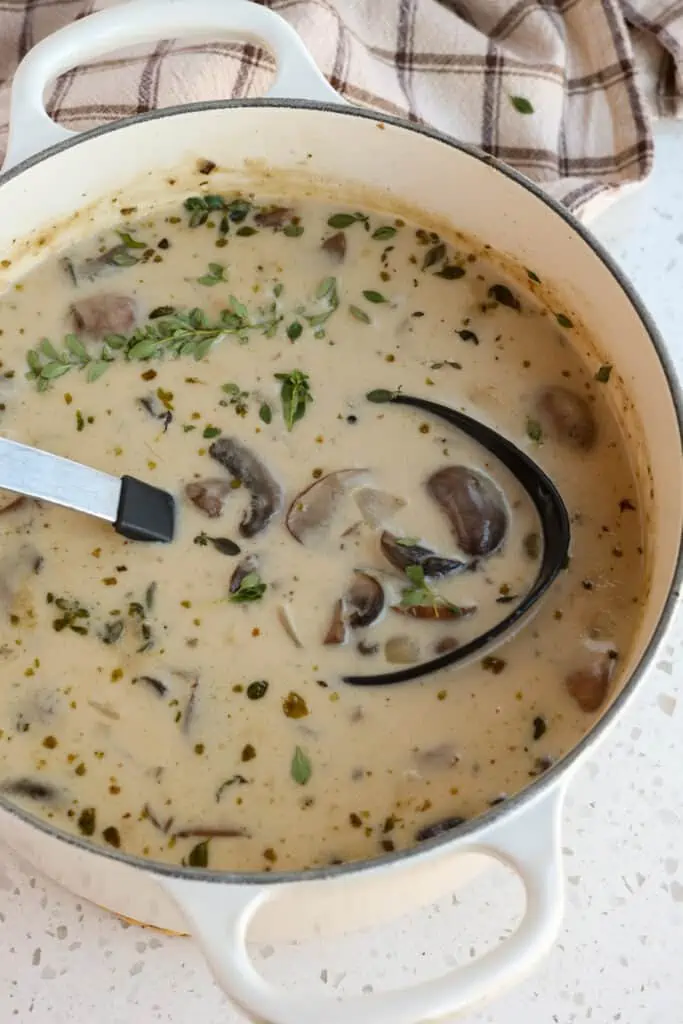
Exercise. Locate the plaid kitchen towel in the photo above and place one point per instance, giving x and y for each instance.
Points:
(561, 89)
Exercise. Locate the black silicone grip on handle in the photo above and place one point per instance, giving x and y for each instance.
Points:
(145, 512)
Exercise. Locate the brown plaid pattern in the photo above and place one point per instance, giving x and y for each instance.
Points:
(460, 65)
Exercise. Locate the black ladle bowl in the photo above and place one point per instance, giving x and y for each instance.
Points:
(554, 524)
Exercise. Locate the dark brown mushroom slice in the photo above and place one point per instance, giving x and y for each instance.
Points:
(265, 493)
(335, 246)
(439, 828)
(313, 508)
(33, 789)
(273, 216)
(402, 554)
(366, 649)
(446, 644)
(437, 612)
(475, 508)
(589, 685)
(208, 495)
(104, 314)
(364, 600)
(245, 568)
(566, 417)
(159, 687)
(337, 631)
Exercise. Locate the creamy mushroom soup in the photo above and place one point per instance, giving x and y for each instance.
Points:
(187, 701)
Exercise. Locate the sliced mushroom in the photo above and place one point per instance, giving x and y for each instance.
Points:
(401, 554)
(244, 569)
(265, 493)
(401, 650)
(337, 631)
(286, 620)
(377, 507)
(566, 417)
(364, 600)
(208, 495)
(273, 216)
(439, 828)
(474, 505)
(335, 246)
(437, 612)
(589, 684)
(312, 511)
(446, 644)
(104, 314)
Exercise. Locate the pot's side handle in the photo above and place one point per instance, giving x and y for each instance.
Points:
(141, 21)
(219, 916)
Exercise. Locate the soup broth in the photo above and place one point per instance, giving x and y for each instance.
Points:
(187, 702)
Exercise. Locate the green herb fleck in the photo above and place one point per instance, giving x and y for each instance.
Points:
(293, 230)
(380, 395)
(563, 320)
(130, 242)
(434, 255)
(384, 233)
(345, 220)
(502, 294)
(359, 314)
(420, 594)
(522, 105)
(251, 588)
(295, 395)
(257, 689)
(373, 296)
(210, 432)
(214, 275)
(604, 373)
(534, 430)
(532, 276)
(301, 768)
(294, 330)
(265, 413)
(87, 820)
(451, 272)
(111, 836)
(407, 542)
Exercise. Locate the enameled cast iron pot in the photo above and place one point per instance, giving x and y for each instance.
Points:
(57, 186)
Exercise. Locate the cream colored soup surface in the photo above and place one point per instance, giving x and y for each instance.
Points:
(145, 704)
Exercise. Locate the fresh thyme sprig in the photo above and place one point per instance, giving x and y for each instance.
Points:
(174, 334)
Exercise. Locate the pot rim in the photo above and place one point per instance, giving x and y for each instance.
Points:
(551, 778)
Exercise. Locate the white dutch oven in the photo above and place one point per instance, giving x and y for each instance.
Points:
(290, 145)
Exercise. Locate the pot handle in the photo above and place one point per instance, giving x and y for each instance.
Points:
(219, 916)
(32, 130)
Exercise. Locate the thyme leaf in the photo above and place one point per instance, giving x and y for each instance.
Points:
(295, 395)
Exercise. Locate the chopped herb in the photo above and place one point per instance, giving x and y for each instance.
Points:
(111, 836)
(247, 231)
(112, 631)
(214, 275)
(235, 780)
(540, 727)
(384, 233)
(434, 255)
(120, 257)
(359, 314)
(532, 545)
(532, 276)
(300, 768)
(492, 664)
(451, 272)
(248, 752)
(502, 294)
(257, 689)
(380, 395)
(265, 413)
(533, 429)
(295, 395)
(407, 542)
(563, 320)
(294, 705)
(421, 594)
(294, 330)
(373, 296)
(86, 821)
(522, 105)
(345, 220)
(198, 857)
(293, 230)
(130, 242)
(467, 335)
(251, 588)
(80, 421)
(209, 432)
(603, 374)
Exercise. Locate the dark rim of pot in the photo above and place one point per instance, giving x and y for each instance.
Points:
(548, 779)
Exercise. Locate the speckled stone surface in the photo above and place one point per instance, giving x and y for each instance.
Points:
(618, 958)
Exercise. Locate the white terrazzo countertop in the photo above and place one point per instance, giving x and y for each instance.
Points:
(618, 957)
